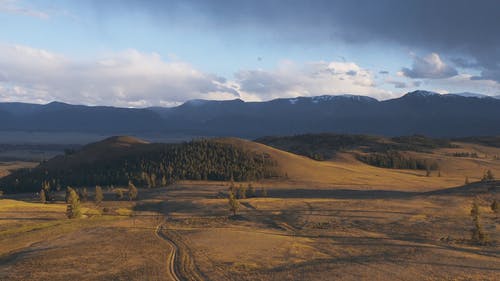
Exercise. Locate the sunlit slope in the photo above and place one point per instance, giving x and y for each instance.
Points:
(345, 171)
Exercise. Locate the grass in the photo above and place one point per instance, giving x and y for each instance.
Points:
(345, 171)
(337, 219)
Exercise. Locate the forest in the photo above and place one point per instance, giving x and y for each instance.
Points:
(158, 165)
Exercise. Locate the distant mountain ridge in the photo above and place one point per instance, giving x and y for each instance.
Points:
(418, 112)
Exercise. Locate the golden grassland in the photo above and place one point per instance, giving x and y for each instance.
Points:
(345, 171)
(6, 167)
(329, 220)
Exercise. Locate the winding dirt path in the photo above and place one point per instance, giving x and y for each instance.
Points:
(171, 257)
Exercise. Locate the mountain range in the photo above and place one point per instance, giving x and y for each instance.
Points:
(418, 112)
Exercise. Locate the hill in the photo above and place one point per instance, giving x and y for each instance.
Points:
(357, 162)
(345, 170)
(118, 160)
(418, 112)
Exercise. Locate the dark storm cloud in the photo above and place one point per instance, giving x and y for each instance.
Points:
(458, 28)
(430, 66)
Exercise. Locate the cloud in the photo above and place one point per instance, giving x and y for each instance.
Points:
(464, 83)
(16, 7)
(455, 28)
(311, 79)
(430, 66)
(128, 78)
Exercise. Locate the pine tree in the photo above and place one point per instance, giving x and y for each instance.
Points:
(66, 197)
(488, 176)
(250, 191)
(427, 171)
(132, 191)
(494, 206)
(73, 207)
(119, 193)
(233, 203)
(242, 192)
(43, 197)
(98, 195)
(263, 192)
(477, 233)
(84, 194)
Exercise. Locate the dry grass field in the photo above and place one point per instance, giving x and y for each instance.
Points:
(6, 167)
(330, 220)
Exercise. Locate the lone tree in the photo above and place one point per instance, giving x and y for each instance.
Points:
(84, 194)
(263, 192)
(488, 176)
(98, 195)
(43, 197)
(119, 193)
(467, 180)
(250, 191)
(73, 208)
(234, 205)
(494, 206)
(132, 191)
(242, 192)
(477, 234)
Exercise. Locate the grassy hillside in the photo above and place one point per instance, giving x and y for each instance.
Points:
(325, 146)
(345, 170)
(118, 160)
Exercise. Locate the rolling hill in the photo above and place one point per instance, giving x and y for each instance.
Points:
(119, 159)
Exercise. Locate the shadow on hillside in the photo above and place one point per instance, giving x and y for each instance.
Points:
(340, 193)
(466, 190)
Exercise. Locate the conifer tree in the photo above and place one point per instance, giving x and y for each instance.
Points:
(263, 192)
(73, 207)
(477, 233)
(132, 191)
(242, 192)
(250, 191)
(84, 194)
(488, 176)
(119, 193)
(98, 195)
(494, 206)
(233, 203)
(43, 197)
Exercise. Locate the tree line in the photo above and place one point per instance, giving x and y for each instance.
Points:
(396, 160)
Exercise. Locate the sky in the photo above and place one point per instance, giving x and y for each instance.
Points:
(134, 53)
